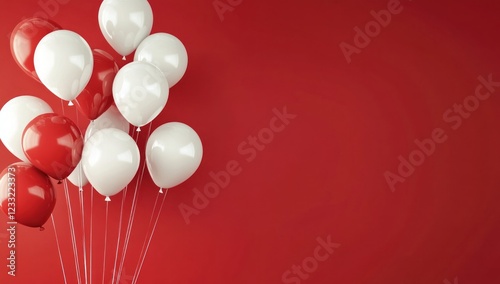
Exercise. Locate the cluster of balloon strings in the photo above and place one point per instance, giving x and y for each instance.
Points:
(106, 156)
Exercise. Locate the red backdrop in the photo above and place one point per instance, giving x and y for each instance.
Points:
(315, 194)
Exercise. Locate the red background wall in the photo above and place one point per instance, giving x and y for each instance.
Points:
(323, 175)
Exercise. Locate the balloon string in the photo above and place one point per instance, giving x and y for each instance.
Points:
(62, 107)
(58, 248)
(105, 242)
(146, 237)
(120, 223)
(82, 211)
(136, 275)
(77, 118)
(91, 231)
(72, 230)
(144, 165)
(132, 214)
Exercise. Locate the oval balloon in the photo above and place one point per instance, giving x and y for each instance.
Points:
(140, 92)
(24, 39)
(111, 118)
(63, 61)
(124, 24)
(166, 52)
(53, 144)
(173, 153)
(29, 191)
(97, 96)
(110, 160)
(14, 117)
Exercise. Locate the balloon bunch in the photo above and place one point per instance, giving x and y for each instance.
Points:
(105, 155)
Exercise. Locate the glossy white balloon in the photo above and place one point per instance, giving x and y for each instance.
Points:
(15, 116)
(78, 177)
(125, 23)
(63, 61)
(166, 52)
(111, 118)
(173, 153)
(110, 160)
(140, 92)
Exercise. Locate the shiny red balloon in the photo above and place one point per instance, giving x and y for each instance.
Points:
(97, 96)
(53, 144)
(24, 39)
(27, 195)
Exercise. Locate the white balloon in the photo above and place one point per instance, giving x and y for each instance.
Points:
(140, 92)
(77, 177)
(110, 160)
(15, 116)
(125, 23)
(166, 52)
(173, 153)
(63, 61)
(111, 118)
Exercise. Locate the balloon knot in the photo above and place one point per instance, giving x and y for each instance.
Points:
(70, 103)
(42, 229)
(59, 182)
(138, 129)
(107, 199)
(124, 58)
(81, 189)
(161, 190)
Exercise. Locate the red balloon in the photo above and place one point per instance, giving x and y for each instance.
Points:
(53, 144)
(27, 195)
(97, 96)
(24, 39)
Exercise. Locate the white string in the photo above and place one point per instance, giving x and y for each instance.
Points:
(91, 223)
(136, 275)
(72, 230)
(77, 118)
(62, 106)
(120, 222)
(147, 233)
(132, 214)
(105, 242)
(58, 248)
(82, 211)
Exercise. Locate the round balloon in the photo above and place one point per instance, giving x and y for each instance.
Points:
(24, 39)
(53, 144)
(27, 195)
(166, 52)
(173, 153)
(63, 61)
(125, 23)
(97, 96)
(77, 177)
(110, 160)
(111, 118)
(14, 117)
(140, 92)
